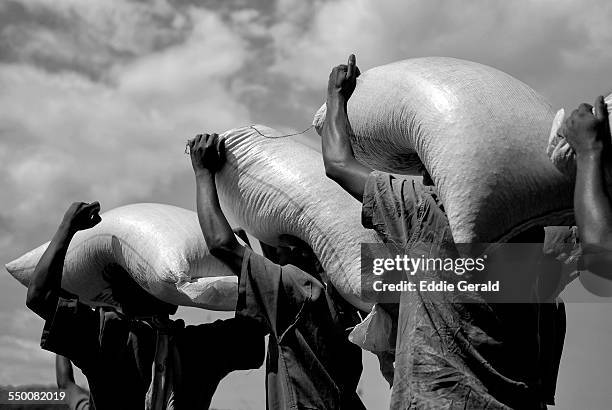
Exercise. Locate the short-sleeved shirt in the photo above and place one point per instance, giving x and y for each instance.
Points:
(116, 353)
(310, 364)
(452, 355)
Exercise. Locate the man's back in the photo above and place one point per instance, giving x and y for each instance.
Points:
(310, 364)
(117, 354)
(451, 351)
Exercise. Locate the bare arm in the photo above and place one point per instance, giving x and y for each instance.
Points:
(75, 394)
(589, 135)
(338, 157)
(63, 372)
(206, 159)
(592, 201)
(46, 281)
(593, 208)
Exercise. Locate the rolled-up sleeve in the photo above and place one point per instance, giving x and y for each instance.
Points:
(72, 332)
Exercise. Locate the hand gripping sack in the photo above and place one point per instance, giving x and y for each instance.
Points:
(481, 134)
(273, 186)
(160, 246)
(559, 151)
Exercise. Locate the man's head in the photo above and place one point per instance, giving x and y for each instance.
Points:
(131, 297)
(294, 251)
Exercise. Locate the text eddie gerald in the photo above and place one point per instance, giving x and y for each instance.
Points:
(411, 265)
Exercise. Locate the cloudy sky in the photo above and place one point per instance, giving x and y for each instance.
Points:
(98, 98)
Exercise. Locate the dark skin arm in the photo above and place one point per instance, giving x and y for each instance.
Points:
(65, 381)
(338, 156)
(63, 372)
(207, 157)
(589, 135)
(46, 282)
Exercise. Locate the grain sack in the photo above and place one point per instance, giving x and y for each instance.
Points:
(559, 150)
(160, 246)
(481, 134)
(273, 186)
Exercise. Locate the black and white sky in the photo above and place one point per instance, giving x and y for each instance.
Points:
(97, 99)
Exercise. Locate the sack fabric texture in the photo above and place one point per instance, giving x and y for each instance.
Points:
(273, 186)
(160, 246)
(481, 134)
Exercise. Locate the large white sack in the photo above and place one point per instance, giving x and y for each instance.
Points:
(561, 154)
(274, 186)
(160, 246)
(481, 133)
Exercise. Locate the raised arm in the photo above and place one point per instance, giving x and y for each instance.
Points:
(207, 157)
(338, 157)
(46, 281)
(589, 135)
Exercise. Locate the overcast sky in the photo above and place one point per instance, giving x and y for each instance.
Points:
(98, 98)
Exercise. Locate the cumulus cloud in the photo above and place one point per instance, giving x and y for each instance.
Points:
(561, 48)
(98, 98)
(90, 36)
(69, 136)
(20, 352)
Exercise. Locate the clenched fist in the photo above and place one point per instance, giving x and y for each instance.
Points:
(207, 153)
(81, 216)
(342, 80)
(587, 128)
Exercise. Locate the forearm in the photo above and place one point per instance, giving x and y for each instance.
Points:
(338, 156)
(336, 144)
(592, 202)
(46, 280)
(593, 209)
(217, 231)
(63, 372)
